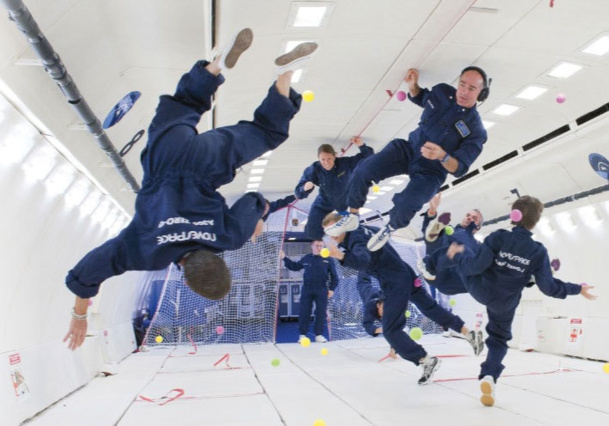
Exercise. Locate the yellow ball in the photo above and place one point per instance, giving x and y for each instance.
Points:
(319, 422)
(324, 252)
(452, 302)
(416, 333)
(324, 351)
(449, 230)
(159, 339)
(308, 96)
(606, 368)
(305, 341)
(407, 314)
(275, 362)
(376, 188)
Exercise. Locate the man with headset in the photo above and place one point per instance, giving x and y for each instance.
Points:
(448, 140)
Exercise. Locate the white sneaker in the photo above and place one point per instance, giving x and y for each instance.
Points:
(294, 58)
(423, 271)
(430, 365)
(300, 339)
(348, 223)
(487, 386)
(436, 226)
(320, 339)
(379, 239)
(239, 44)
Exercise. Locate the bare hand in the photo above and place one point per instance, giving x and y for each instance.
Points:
(76, 333)
(586, 292)
(392, 354)
(454, 249)
(434, 203)
(335, 252)
(357, 140)
(432, 151)
(330, 294)
(308, 186)
(412, 78)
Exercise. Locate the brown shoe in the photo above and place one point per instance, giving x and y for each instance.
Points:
(292, 59)
(239, 44)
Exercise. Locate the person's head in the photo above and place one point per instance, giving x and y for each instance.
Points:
(472, 87)
(206, 274)
(331, 219)
(472, 216)
(326, 156)
(316, 247)
(531, 209)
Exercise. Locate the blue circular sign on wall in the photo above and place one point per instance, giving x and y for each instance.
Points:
(121, 108)
(600, 165)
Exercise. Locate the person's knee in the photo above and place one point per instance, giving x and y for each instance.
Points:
(207, 274)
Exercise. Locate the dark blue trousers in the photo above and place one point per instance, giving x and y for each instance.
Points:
(395, 159)
(307, 297)
(448, 280)
(432, 310)
(313, 228)
(499, 330)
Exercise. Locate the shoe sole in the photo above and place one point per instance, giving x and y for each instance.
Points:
(376, 245)
(299, 52)
(433, 232)
(335, 231)
(243, 40)
(487, 399)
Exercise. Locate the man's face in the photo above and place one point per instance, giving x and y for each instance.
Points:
(316, 247)
(327, 160)
(468, 89)
(471, 216)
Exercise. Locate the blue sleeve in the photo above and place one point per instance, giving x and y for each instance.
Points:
(101, 263)
(333, 275)
(307, 176)
(469, 149)
(241, 219)
(421, 98)
(369, 321)
(357, 255)
(364, 151)
(475, 262)
(291, 265)
(549, 285)
(279, 204)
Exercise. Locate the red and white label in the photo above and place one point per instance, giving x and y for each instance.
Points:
(14, 359)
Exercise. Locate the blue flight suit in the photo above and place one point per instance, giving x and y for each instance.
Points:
(447, 281)
(495, 275)
(332, 189)
(396, 279)
(319, 277)
(179, 209)
(278, 205)
(458, 130)
(370, 296)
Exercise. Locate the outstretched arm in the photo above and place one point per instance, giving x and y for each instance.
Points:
(306, 184)
(78, 325)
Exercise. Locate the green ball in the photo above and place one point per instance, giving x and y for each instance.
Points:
(275, 362)
(416, 333)
(449, 230)
(407, 314)
(452, 302)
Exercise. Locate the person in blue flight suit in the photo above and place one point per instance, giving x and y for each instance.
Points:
(332, 175)
(448, 140)
(437, 241)
(318, 284)
(278, 205)
(495, 275)
(396, 279)
(179, 214)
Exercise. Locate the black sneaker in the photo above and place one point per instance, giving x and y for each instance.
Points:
(430, 366)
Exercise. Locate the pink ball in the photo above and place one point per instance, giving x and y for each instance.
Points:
(417, 282)
(401, 96)
(220, 329)
(584, 284)
(560, 98)
(516, 215)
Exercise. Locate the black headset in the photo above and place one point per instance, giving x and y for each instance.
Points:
(486, 90)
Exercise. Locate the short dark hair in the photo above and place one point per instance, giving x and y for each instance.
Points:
(207, 274)
(327, 148)
(531, 209)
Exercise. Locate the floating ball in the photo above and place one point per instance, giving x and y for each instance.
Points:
(275, 362)
(606, 368)
(158, 339)
(376, 188)
(449, 230)
(417, 282)
(219, 330)
(308, 96)
(560, 98)
(324, 252)
(324, 351)
(452, 302)
(305, 342)
(584, 284)
(407, 313)
(401, 96)
(319, 422)
(516, 215)
(90, 302)
(416, 333)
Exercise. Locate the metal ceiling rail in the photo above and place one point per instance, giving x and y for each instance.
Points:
(22, 17)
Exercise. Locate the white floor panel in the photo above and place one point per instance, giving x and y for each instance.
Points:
(350, 385)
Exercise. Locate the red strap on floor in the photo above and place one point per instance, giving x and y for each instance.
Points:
(225, 357)
(166, 399)
(193, 344)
